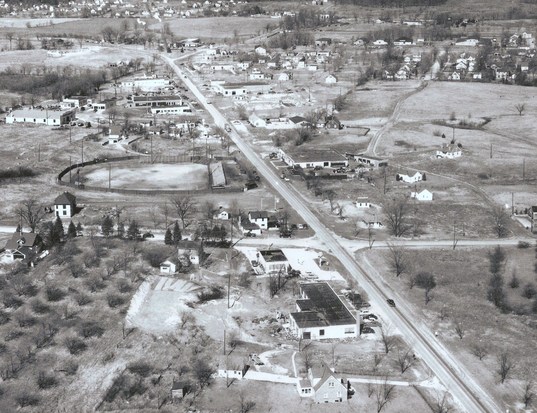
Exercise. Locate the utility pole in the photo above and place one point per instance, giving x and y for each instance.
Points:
(491, 151)
(70, 135)
(82, 150)
(151, 148)
(512, 203)
(109, 176)
(228, 286)
(224, 341)
(454, 236)
(39, 153)
(523, 169)
(70, 168)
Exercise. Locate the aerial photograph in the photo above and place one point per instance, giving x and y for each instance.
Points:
(242, 206)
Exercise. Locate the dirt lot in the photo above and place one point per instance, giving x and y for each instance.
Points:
(462, 282)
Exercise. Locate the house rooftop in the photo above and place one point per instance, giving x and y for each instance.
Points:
(38, 113)
(275, 255)
(30, 239)
(258, 214)
(66, 198)
(243, 84)
(155, 98)
(323, 307)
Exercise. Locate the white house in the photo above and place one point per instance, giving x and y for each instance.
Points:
(222, 215)
(65, 205)
(321, 314)
(362, 203)
(323, 385)
(330, 79)
(455, 76)
(260, 218)
(450, 151)
(380, 43)
(256, 121)
(191, 250)
(424, 195)
(41, 116)
(114, 134)
(418, 176)
(284, 77)
(273, 261)
(261, 51)
(167, 267)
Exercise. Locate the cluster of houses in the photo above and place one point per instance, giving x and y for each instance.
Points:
(407, 70)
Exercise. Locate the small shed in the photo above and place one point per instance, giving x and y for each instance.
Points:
(179, 390)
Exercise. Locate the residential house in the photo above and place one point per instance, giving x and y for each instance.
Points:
(323, 385)
(168, 267)
(222, 215)
(312, 67)
(403, 41)
(417, 177)
(243, 65)
(330, 79)
(261, 51)
(298, 121)
(246, 227)
(273, 261)
(260, 218)
(284, 77)
(191, 250)
(402, 74)
(374, 224)
(380, 43)
(114, 134)
(74, 102)
(477, 76)
(179, 390)
(23, 246)
(450, 151)
(65, 205)
(324, 41)
(466, 42)
(424, 195)
(311, 158)
(455, 76)
(321, 314)
(47, 117)
(360, 42)
(256, 121)
(362, 202)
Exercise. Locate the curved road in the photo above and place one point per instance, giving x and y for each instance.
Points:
(469, 395)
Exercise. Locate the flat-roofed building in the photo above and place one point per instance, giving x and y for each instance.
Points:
(369, 160)
(218, 177)
(237, 89)
(145, 83)
(41, 116)
(321, 314)
(74, 101)
(273, 261)
(171, 110)
(155, 101)
(311, 158)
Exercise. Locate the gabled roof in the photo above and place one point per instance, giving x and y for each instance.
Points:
(30, 239)
(258, 214)
(327, 374)
(66, 198)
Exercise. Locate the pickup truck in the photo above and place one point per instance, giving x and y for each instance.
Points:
(227, 128)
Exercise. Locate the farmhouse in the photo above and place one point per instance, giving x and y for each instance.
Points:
(369, 160)
(23, 246)
(450, 151)
(311, 158)
(247, 227)
(273, 261)
(418, 176)
(321, 314)
(65, 205)
(154, 101)
(424, 195)
(41, 116)
(330, 79)
(260, 218)
(323, 385)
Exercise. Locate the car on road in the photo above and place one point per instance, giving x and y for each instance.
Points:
(367, 330)
(227, 128)
(390, 302)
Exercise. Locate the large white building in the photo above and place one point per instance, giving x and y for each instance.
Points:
(322, 315)
(145, 83)
(171, 110)
(311, 158)
(41, 116)
(273, 261)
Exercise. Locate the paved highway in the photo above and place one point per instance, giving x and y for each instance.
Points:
(465, 390)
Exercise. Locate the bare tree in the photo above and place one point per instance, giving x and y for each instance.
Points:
(441, 404)
(399, 262)
(459, 329)
(330, 195)
(405, 359)
(505, 365)
(520, 108)
(9, 37)
(32, 213)
(384, 394)
(480, 351)
(528, 395)
(185, 207)
(307, 358)
(388, 340)
(398, 218)
(500, 221)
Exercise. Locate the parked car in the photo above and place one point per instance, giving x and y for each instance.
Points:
(367, 330)
(227, 128)
(390, 302)
(148, 235)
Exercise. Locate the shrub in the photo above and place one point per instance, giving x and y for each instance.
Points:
(26, 320)
(39, 307)
(95, 284)
(116, 387)
(71, 367)
(44, 381)
(75, 345)
(529, 291)
(82, 299)
(20, 172)
(214, 293)
(523, 244)
(483, 175)
(55, 294)
(91, 329)
(27, 399)
(114, 300)
(3, 348)
(140, 368)
(11, 301)
(133, 389)
(123, 286)
(4, 318)
(13, 335)
(437, 132)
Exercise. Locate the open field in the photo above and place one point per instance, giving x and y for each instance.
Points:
(155, 176)
(462, 280)
(218, 28)
(23, 23)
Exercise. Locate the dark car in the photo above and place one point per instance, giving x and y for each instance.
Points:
(148, 235)
(368, 330)
(390, 302)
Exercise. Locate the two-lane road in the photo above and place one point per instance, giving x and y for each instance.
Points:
(469, 395)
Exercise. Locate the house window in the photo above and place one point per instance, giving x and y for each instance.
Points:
(321, 332)
(331, 384)
(64, 213)
(349, 330)
(326, 396)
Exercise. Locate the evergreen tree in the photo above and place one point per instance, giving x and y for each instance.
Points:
(58, 233)
(18, 228)
(71, 230)
(176, 234)
(168, 238)
(133, 232)
(120, 230)
(79, 228)
(107, 226)
(495, 292)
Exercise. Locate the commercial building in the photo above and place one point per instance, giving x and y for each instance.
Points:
(273, 261)
(311, 158)
(41, 116)
(154, 101)
(321, 314)
(174, 110)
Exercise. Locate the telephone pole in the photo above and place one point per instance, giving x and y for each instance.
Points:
(109, 176)
(82, 150)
